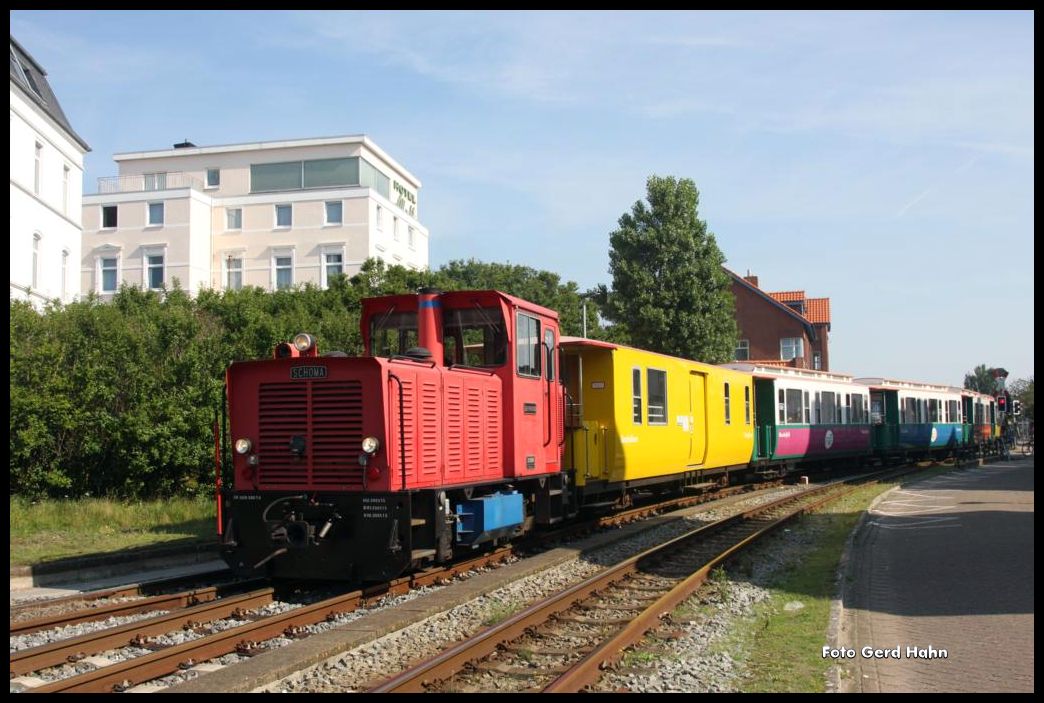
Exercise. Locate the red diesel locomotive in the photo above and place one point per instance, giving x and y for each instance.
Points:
(446, 435)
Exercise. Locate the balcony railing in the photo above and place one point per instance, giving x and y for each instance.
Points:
(146, 182)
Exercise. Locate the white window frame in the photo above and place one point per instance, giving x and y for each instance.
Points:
(648, 394)
(65, 188)
(636, 419)
(35, 273)
(237, 255)
(281, 254)
(728, 404)
(102, 212)
(207, 185)
(99, 278)
(326, 214)
(234, 229)
(743, 344)
(148, 213)
(146, 252)
(38, 167)
(799, 351)
(65, 273)
(275, 216)
(158, 178)
(380, 219)
(324, 278)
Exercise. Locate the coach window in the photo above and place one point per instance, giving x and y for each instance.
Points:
(847, 419)
(657, 382)
(829, 408)
(527, 346)
(808, 414)
(636, 396)
(782, 406)
(728, 409)
(857, 409)
(746, 405)
(793, 406)
(817, 408)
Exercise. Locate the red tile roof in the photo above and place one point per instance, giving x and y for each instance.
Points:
(788, 296)
(817, 310)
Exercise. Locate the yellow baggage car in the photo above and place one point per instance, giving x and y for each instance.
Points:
(637, 420)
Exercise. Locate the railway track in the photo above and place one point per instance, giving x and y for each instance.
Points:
(561, 644)
(193, 609)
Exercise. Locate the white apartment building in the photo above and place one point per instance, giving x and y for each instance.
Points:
(46, 187)
(269, 214)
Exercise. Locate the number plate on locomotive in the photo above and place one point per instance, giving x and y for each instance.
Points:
(307, 372)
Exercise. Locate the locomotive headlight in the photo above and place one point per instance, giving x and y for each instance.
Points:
(371, 445)
(243, 445)
(304, 342)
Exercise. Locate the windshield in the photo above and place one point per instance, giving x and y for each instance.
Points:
(474, 337)
(392, 333)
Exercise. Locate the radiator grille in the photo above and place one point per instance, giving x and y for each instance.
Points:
(329, 415)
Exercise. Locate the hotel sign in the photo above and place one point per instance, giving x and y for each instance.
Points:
(404, 199)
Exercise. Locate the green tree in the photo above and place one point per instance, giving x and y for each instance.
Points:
(980, 379)
(670, 293)
(1022, 390)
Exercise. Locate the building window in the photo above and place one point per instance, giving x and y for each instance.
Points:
(233, 218)
(65, 273)
(36, 259)
(155, 214)
(65, 189)
(409, 236)
(155, 181)
(333, 265)
(657, 382)
(728, 406)
(790, 348)
(213, 177)
(334, 214)
(108, 217)
(817, 361)
(746, 405)
(395, 228)
(36, 171)
(108, 274)
(154, 271)
(636, 395)
(284, 271)
(743, 350)
(380, 219)
(527, 346)
(233, 273)
(284, 215)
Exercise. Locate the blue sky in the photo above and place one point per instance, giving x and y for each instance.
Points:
(883, 160)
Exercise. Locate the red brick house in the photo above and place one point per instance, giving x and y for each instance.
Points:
(780, 329)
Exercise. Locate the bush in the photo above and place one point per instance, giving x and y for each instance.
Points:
(119, 399)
